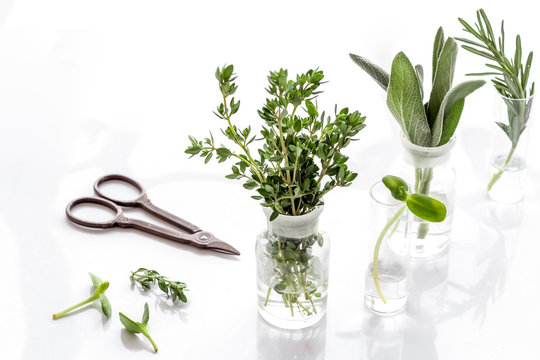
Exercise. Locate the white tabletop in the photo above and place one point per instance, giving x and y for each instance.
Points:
(90, 88)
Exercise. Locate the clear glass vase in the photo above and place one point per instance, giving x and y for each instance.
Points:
(429, 169)
(509, 142)
(388, 253)
(292, 270)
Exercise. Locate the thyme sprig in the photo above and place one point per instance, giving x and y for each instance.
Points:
(146, 278)
(300, 159)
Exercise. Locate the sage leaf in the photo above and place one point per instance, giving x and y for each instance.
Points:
(444, 76)
(377, 73)
(447, 119)
(420, 75)
(426, 208)
(405, 101)
(437, 48)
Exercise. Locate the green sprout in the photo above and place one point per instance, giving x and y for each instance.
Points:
(99, 293)
(421, 205)
(136, 327)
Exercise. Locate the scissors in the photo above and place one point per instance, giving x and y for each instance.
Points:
(191, 234)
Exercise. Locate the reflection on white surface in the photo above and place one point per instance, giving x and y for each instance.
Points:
(382, 337)
(306, 344)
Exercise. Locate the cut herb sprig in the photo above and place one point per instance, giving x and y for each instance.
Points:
(424, 207)
(139, 327)
(99, 293)
(146, 278)
(510, 78)
(300, 158)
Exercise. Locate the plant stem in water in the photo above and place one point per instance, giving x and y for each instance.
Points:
(375, 270)
(423, 183)
(499, 173)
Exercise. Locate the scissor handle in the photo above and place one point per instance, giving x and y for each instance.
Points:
(130, 203)
(145, 203)
(94, 224)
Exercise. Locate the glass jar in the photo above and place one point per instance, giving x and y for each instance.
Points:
(429, 169)
(509, 142)
(388, 253)
(292, 270)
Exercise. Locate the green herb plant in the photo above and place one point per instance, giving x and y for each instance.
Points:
(421, 205)
(99, 293)
(292, 164)
(146, 278)
(511, 78)
(139, 327)
(431, 123)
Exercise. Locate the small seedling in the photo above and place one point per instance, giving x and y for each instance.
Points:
(136, 327)
(146, 278)
(99, 293)
(421, 205)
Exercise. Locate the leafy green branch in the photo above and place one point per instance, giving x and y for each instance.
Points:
(510, 78)
(299, 157)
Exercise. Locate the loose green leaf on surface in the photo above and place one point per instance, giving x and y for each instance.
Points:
(99, 293)
(136, 327)
(146, 278)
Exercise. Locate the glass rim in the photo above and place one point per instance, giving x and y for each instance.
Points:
(516, 99)
(374, 198)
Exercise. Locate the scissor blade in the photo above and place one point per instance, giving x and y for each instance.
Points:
(222, 247)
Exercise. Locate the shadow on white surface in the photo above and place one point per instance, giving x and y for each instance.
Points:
(306, 344)
(136, 343)
(164, 304)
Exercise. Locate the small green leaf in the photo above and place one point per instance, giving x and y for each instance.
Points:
(397, 186)
(426, 208)
(105, 305)
(274, 215)
(208, 157)
(227, 72)
(102, 287)
(129, 324)
(146, 315)
(96, 280)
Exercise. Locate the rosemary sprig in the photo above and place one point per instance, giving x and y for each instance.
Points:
(510, 78)
(146, 278)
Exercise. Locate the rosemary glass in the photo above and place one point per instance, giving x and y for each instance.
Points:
(292, 270)
(429, 169)
(389, 217)
(509, 142)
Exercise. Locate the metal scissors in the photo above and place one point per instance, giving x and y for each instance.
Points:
(191, 235)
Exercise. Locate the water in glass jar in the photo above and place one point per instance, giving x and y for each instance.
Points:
(393, 281)
(510, 187)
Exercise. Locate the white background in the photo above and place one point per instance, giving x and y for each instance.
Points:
(94, 87)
